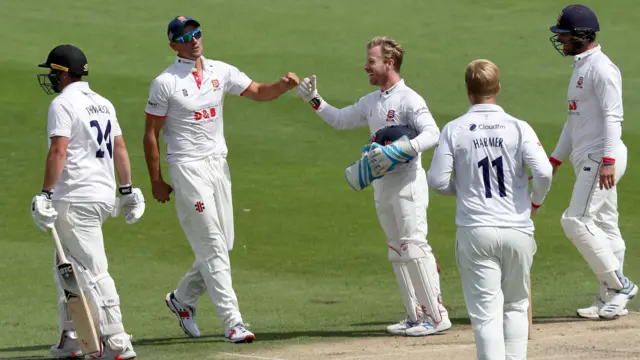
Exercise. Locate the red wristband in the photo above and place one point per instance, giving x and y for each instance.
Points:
(608, 161)
(555, 161)
(536, 206)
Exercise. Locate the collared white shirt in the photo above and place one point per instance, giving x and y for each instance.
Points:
(89, 121)
(399, 105)
(193, 107)
(486, 151)
(595, 112)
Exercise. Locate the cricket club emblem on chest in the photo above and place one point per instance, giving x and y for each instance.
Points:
(215, 83)
(579, 83)
(391, 114)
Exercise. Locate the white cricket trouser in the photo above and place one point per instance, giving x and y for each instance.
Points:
(79, 226)
(203, 202)
(401, 200)
(597, 209)
(494, 265)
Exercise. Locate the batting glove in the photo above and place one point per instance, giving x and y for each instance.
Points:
(42, 212)
(131, 202)
(359, 174)
(383, 159)
(308, 91)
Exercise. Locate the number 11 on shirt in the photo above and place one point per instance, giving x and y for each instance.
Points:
(486, 166)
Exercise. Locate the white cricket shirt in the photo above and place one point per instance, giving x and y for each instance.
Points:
(89, 121)
(595, 115)
(486, 151)
(192, 107)
(399, 105)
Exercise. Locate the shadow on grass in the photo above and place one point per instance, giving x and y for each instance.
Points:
(276, 336)
(466, 321)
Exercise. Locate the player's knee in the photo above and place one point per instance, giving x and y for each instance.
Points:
(394, 255)
(573, 226)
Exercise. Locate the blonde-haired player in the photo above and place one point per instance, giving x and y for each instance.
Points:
(400, 186)
(486, 151)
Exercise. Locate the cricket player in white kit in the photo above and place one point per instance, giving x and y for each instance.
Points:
(486, 151)
(400, 186)
(78, 195)
(186, 103)
(592, 135)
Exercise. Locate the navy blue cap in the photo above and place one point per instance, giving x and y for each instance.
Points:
(176, 26)
(576, 18)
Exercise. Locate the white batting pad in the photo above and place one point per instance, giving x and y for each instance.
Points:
(423, 272)
(406, 290)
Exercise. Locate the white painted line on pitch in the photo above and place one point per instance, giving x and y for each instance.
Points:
(249, 356)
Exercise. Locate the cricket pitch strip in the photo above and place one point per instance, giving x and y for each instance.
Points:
(552, 338)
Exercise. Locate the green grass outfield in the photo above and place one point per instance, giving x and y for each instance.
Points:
(310, 258)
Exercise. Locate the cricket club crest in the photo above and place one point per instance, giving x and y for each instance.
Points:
(215, 83)
(390, 115)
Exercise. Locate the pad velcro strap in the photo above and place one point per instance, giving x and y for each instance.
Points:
(111, 329)
(96, 279)
(110, 301)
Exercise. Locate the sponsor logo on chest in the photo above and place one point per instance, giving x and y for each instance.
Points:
(204, 114)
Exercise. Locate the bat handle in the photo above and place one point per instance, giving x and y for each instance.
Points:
(58, 244)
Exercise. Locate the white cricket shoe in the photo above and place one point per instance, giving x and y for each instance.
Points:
(239, 334)
(401, 326)
(185, 313)
(591, 312)
(617, 301)
(68, 347)
(428, 328)
(117, 347)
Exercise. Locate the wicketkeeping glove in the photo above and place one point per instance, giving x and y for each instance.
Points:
(359, 174)
(383, 159)
(42, 212)
(308, 91)
(131, 201)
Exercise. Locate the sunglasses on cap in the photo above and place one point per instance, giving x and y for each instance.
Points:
(188, 37)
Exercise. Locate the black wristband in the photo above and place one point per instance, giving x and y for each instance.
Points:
(126, 190)
(47, 193)
(315, 102)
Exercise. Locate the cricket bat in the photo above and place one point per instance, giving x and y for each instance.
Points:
(530, 310)
(76, 301)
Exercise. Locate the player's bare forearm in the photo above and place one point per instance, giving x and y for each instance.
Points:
(121, 161)
(55, 161)
(268, 91)
(152, 156)
(152, 147)
(271, 91)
